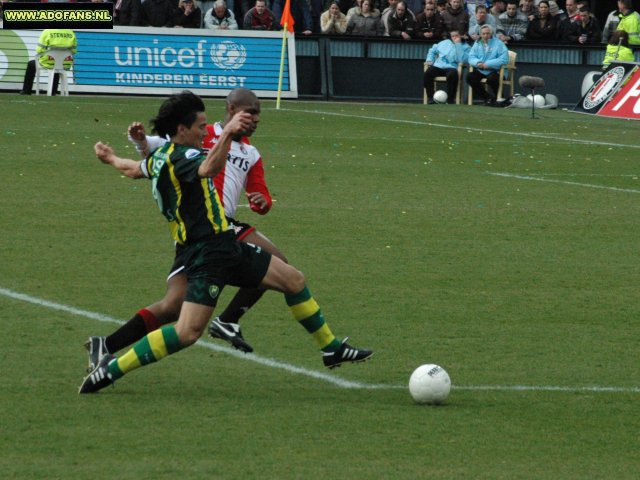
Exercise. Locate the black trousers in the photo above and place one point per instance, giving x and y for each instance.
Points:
(493, 81)
(452, 81)
(30, 75)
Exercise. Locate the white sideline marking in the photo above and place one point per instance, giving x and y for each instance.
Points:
(565, 182)
(337, 381)
(544, 136)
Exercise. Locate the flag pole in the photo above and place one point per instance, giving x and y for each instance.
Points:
(284, 49)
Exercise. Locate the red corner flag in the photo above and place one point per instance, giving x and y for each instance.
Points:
(287, 20)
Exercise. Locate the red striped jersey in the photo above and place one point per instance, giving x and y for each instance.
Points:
(244, 171)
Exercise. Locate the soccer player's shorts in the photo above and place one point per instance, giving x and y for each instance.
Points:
(220, 261)
(178, 262)
(240, 230)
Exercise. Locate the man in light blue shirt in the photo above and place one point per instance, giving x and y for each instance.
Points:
(443, 60)
(479, 19)
(487, 55)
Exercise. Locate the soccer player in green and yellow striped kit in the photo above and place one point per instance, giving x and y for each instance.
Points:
(182, 185)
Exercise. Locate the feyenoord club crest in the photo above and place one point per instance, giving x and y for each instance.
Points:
(603, 88)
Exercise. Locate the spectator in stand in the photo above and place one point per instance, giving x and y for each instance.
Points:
(629, 21)
(610, 25)
(333, 21)
(544, 27)
(618, 49)
(373, 11)
(443, 60)
(187, 16)
(456, 18)
(487, 55)
(365, 22)
(127, 13)
(301, 13)
(220, 17)
(529, 8)
(401, 23)
(260, 18)
(441, 6)
(205, 6)
(244, 7)
(385, 15)
(514, 24)
(353, 10)
(587, 29)
(414, 6)
(429, 23)
(158, 13)
(571, 6)
(564, 25)
(556, 11)
(478, 20)
(317, 8)
(470, 6)
(497, 9)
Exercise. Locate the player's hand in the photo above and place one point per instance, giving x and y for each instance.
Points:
(240, 123)
(136, 131)
(257, 199)
(103, 152)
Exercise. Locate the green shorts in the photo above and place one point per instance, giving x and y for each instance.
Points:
(220, 261)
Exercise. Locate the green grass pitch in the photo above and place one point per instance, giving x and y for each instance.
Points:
(503, 248)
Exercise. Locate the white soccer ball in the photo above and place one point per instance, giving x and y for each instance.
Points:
(440, 96)
(429, 384)
(538, 100)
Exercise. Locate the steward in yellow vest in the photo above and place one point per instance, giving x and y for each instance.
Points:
(56, 38)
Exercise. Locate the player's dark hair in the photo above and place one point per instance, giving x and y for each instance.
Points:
(179, 109)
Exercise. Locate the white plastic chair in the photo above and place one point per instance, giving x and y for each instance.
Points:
(58, 55)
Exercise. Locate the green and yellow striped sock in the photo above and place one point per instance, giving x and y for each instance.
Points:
(306, 311)
(155, 346)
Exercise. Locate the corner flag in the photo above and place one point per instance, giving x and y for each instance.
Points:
(287, 20)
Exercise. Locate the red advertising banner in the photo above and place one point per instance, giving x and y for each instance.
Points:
(625, 102)
(616, 93)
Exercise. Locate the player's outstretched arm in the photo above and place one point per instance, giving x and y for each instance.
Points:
(217, 156)
(126, 166)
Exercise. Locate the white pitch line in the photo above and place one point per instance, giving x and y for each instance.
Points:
(602, 175)
(543, 136)
(564, 182)
(337, 381)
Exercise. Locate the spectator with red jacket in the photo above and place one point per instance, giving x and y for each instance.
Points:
(260, 18)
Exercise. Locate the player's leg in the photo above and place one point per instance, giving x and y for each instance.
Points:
(153, 347)
(150, 318)
(201, 296)
(245, 298)
(290, 281)
(226, 325)
(145, 320)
